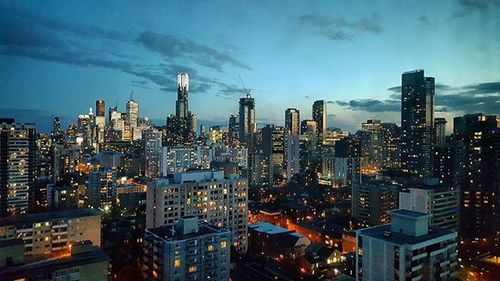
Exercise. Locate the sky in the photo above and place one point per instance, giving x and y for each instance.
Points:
(58, 57)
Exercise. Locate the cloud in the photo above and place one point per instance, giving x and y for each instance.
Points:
(42, 118)
(480, 97)
(172, 46)
(340, 29)
(468, 7)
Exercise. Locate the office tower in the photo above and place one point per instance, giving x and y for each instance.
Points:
(44, 233)
(151, 143)
(319, 115)
(100, 108)
(406, 249)
(292, 155)
(372, 146)
(439, 200)
(260, 169)
(101, 189)
(273, 145)
(234, 127)
(292, 121)
(114, 114)
(132, 108)
(181, 105)
(17, 166)
(372, 201)
(309, 128)
(347, 161)
(82, 261)
(477, 169)
(248, 127)
(187, 250)
(208, 195)
(439, 131)
(417, 115)
(391, 146)
(57, 133)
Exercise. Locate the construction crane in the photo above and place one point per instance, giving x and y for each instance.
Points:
(247, 91)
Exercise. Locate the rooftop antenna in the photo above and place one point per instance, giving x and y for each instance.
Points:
(247, 91)
(132, 95)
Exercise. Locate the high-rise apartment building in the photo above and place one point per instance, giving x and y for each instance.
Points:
(372, 201)
(406, 249)
(319, 115)
(208, 195)
(44, 233)
(417, 117)
(248, 126)
(292, 121)
(347, 161)
(234, 127)
(439, 200)
(476, 144)
(151, 143)
(189, 249)
(372, 145)
(292, 155)
(17, 166)
(101, 189)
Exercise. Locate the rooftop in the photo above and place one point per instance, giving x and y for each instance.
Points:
(50, 216)
(380, 231)
(408, 214)
(167, 232)
(268, 228)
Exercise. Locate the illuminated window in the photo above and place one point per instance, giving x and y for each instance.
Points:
(177, 263)
(210, 248)
(192, 269)
(223, 244)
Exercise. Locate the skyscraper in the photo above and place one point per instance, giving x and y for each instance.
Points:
(234, 127)
(439, 131)
(100, 108)
(151, 139)
(319, 115)
(17, 166)
(102, 189)
(181, 105)
(417, 115)
(477, 169)
(132, 112)
(292, 121)
(248, 127)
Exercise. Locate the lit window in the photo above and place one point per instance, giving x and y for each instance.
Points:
(192, 269)
(177, 263)
(223, 244)
(210, 248)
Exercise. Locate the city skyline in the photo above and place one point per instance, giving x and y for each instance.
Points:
(106, 55)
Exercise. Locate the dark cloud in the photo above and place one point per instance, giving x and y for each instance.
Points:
(32, 36)
(340, 28)
(468, 7)
(172, 46)
(480, 97)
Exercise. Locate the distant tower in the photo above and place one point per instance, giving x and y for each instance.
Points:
(417, 115)
(439, 131)
(319, 115)
(100, 108)
(292, 121)
(132, 111)
(181, 109)
(248, 126)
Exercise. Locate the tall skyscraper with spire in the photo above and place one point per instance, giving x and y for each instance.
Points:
(181, 105)
(417, 115)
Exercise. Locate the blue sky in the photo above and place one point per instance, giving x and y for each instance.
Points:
(58, 57)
